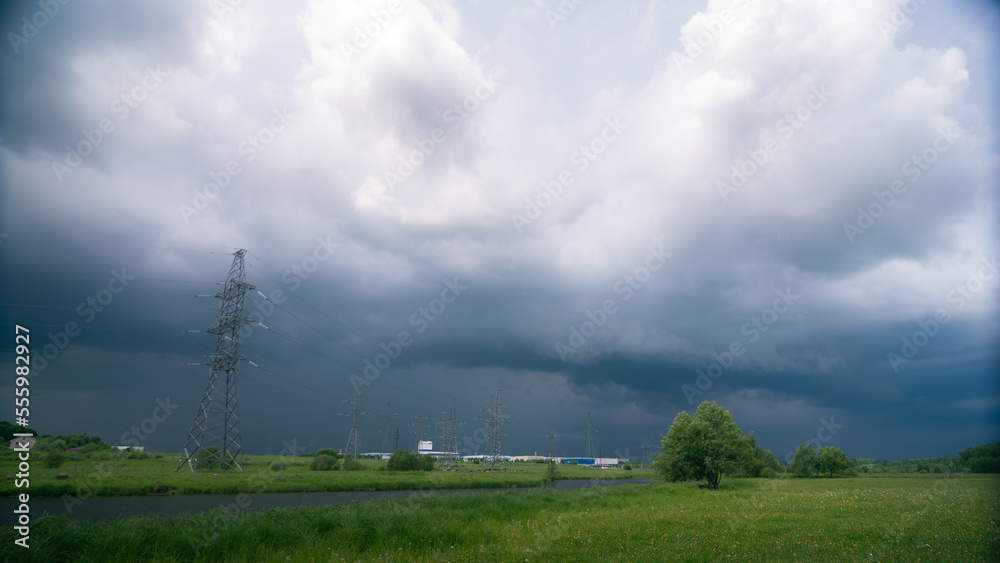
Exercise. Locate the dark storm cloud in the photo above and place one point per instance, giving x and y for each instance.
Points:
(256, 128)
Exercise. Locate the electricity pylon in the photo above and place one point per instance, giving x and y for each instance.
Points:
(387, 429)
(214, 440)
(645, 450)
(420, 426)
(590, 439)
(354, 439)
(552, 441)
(494, 432)
(449, 436)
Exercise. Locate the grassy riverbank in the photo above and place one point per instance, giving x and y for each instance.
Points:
(859, 519)
(120, 476)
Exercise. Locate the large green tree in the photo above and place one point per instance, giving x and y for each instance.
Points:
(804, 462)
(831, 459)
(704, 446)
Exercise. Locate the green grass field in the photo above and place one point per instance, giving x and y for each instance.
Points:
(131, 477)
(851, 519)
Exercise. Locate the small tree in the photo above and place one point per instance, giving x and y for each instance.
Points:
(53, 459)
(831, 459)
(426, 462)
(327, 451)
(403, 460)
(705, 446)
(804, 461)
(323, 462)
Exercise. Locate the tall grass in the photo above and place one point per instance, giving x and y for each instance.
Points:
(755, 520)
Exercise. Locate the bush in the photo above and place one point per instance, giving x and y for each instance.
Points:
(403, 460)
(627, 467)
(137, 455)
(324, 463)
(53, 459)
(426, 463)
(850, 472)
(353, 465)
(327, 451)
(768, 473)
(277, 465)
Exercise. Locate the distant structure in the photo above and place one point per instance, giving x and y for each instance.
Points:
(590, 439)
(419, 425)
(354, 439)
(552, 441)
(645, 450)
(214, 440)
(449, 437)
(494, 420)
(387, 429)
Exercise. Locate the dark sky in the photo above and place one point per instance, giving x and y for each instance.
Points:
(786, 208)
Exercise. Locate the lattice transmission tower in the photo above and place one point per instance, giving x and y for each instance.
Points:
(387, 429)
(494, 419)
(645, 450)
(590, 440)
(354, 439)
(214, 440)
(552, 441)
(449, 437)
(419, 430)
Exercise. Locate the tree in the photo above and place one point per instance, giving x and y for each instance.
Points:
(705, 446)
(981, 459)
(831, 459)
(804, 461)
(327, 451)
(403, 460)
(53, 459)
(324, 462)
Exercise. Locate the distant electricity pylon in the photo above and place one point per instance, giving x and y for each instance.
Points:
(420, 426)
(449, 437)
(590, 439)
(387, 429)
(354, 439)
(494, 432)
(552, 440)
(214, 440)
(645, 450)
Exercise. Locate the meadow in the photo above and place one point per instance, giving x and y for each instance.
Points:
(925, 518)
(121, 476)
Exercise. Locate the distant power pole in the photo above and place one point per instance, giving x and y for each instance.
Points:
(590, 439)
(214, 439)
(494, 432)
(419, 424)
(449, 436)
(645, 450)
(354, 440)
(552, 441)
(387, 430)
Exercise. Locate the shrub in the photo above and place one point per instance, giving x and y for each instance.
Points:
(277, 465)
(426, 463)
(353, 465)
(327, 451)
(768, 473)
(53, 459)
(403, 460)
(628, 467)
(324, 463)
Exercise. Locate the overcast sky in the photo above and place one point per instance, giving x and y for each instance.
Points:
(617, 209)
